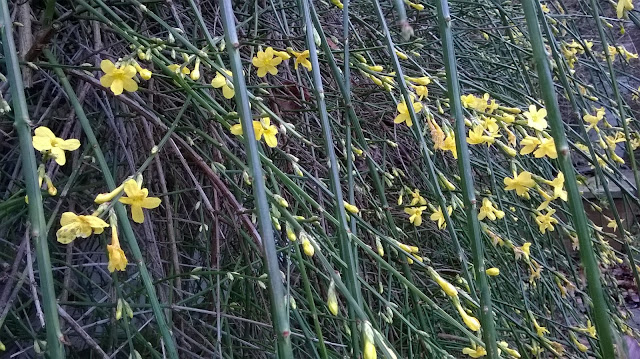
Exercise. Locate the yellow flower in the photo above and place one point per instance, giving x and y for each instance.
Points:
(612, 224)
(424, 80)
(529, 145)
(415, 215)
(545, 8)
(493, 272)
(265, 62)
(477, 136)
(369, 350)
(339, 5)
(581, 347)
(593, 120)
(46, 142)
(302, 58)
(106, 197)
(472, 322)
(118, 78)
(417, 198)
(505, 346)
(74, 226)
(546, 221)
(117, 259)
(418, 7)
(403, 113)
(558, 184)
(478, 352)
(180, 70)
(541, 331)
(438, 216)
(307, 247)
(547, 148)
(622, 7)
(450, 145)
(282, 54)
(521, 183)
(421, 91)
(138, 199)
(448, 288)
(221, 81)
(262, 128)
(489, 211)
(536, 118)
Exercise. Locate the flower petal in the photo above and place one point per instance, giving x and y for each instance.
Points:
(58, 154)
(151, 202)
(131, 188)
(236, 129)
(107, 66)
(106, 80)
(94, 221)
(271, 140)
(117, 86)
(69, 145)
(137, 214)
(228, 92)
(130, 85)
(129, 71)
(68, 218)
(41, 143)
(44, 131)
(219, 80)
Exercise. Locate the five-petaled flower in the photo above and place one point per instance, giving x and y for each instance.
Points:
(262, 128)
(74, 226)
(221, 81)
(138, 198)
(536, 118)
(46, 142)
(438, 216)
(266, 61)
(547, 148)
(489, 211)
(415, 214)
(403, 113)
(118, 78)
(546, 221)
(520, 182)
(623, 7)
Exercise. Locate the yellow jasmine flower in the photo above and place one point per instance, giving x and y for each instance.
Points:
(403, 113)
(581, 347)
(302, 58)
(493, 272)
(558, 187)
(369, 349)
(490, 124)
(220, 81)
(418, 7)
(478, 352)
(437, 135)
(471, 322)
(448, 288)
(541, 331)
(536, 118)
(612, 224)
(262, 128)
(521, 183)
(547, 148)
(546, 221)
(450, 145)
(489, 211)
(622, 7)
(477, 136)
(505, 346)
(74, 226)
(118, 78)
(545, 8)
(265, 62)
(593, 120)
(529, 145)
(117, 259)
(424, 80)
(421, 91)
(525, 251)
(138, 199)
(438, 216)
(417, 198)
(468, 101)
(415, 214)
(47, 143)
(180, 70)
(195, 74)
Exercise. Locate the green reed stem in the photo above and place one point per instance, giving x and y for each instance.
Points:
(279, 306)
(468, 191)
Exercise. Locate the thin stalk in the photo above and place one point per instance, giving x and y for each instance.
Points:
(347, 252)
(37, 224)
(587, 254)
(279, 306)
(120, 210)
(468, 191)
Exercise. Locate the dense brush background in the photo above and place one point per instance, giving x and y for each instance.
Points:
(202, 246)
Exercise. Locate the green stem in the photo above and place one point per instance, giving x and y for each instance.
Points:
(36, 212)
(587, 254)
(279, 306)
